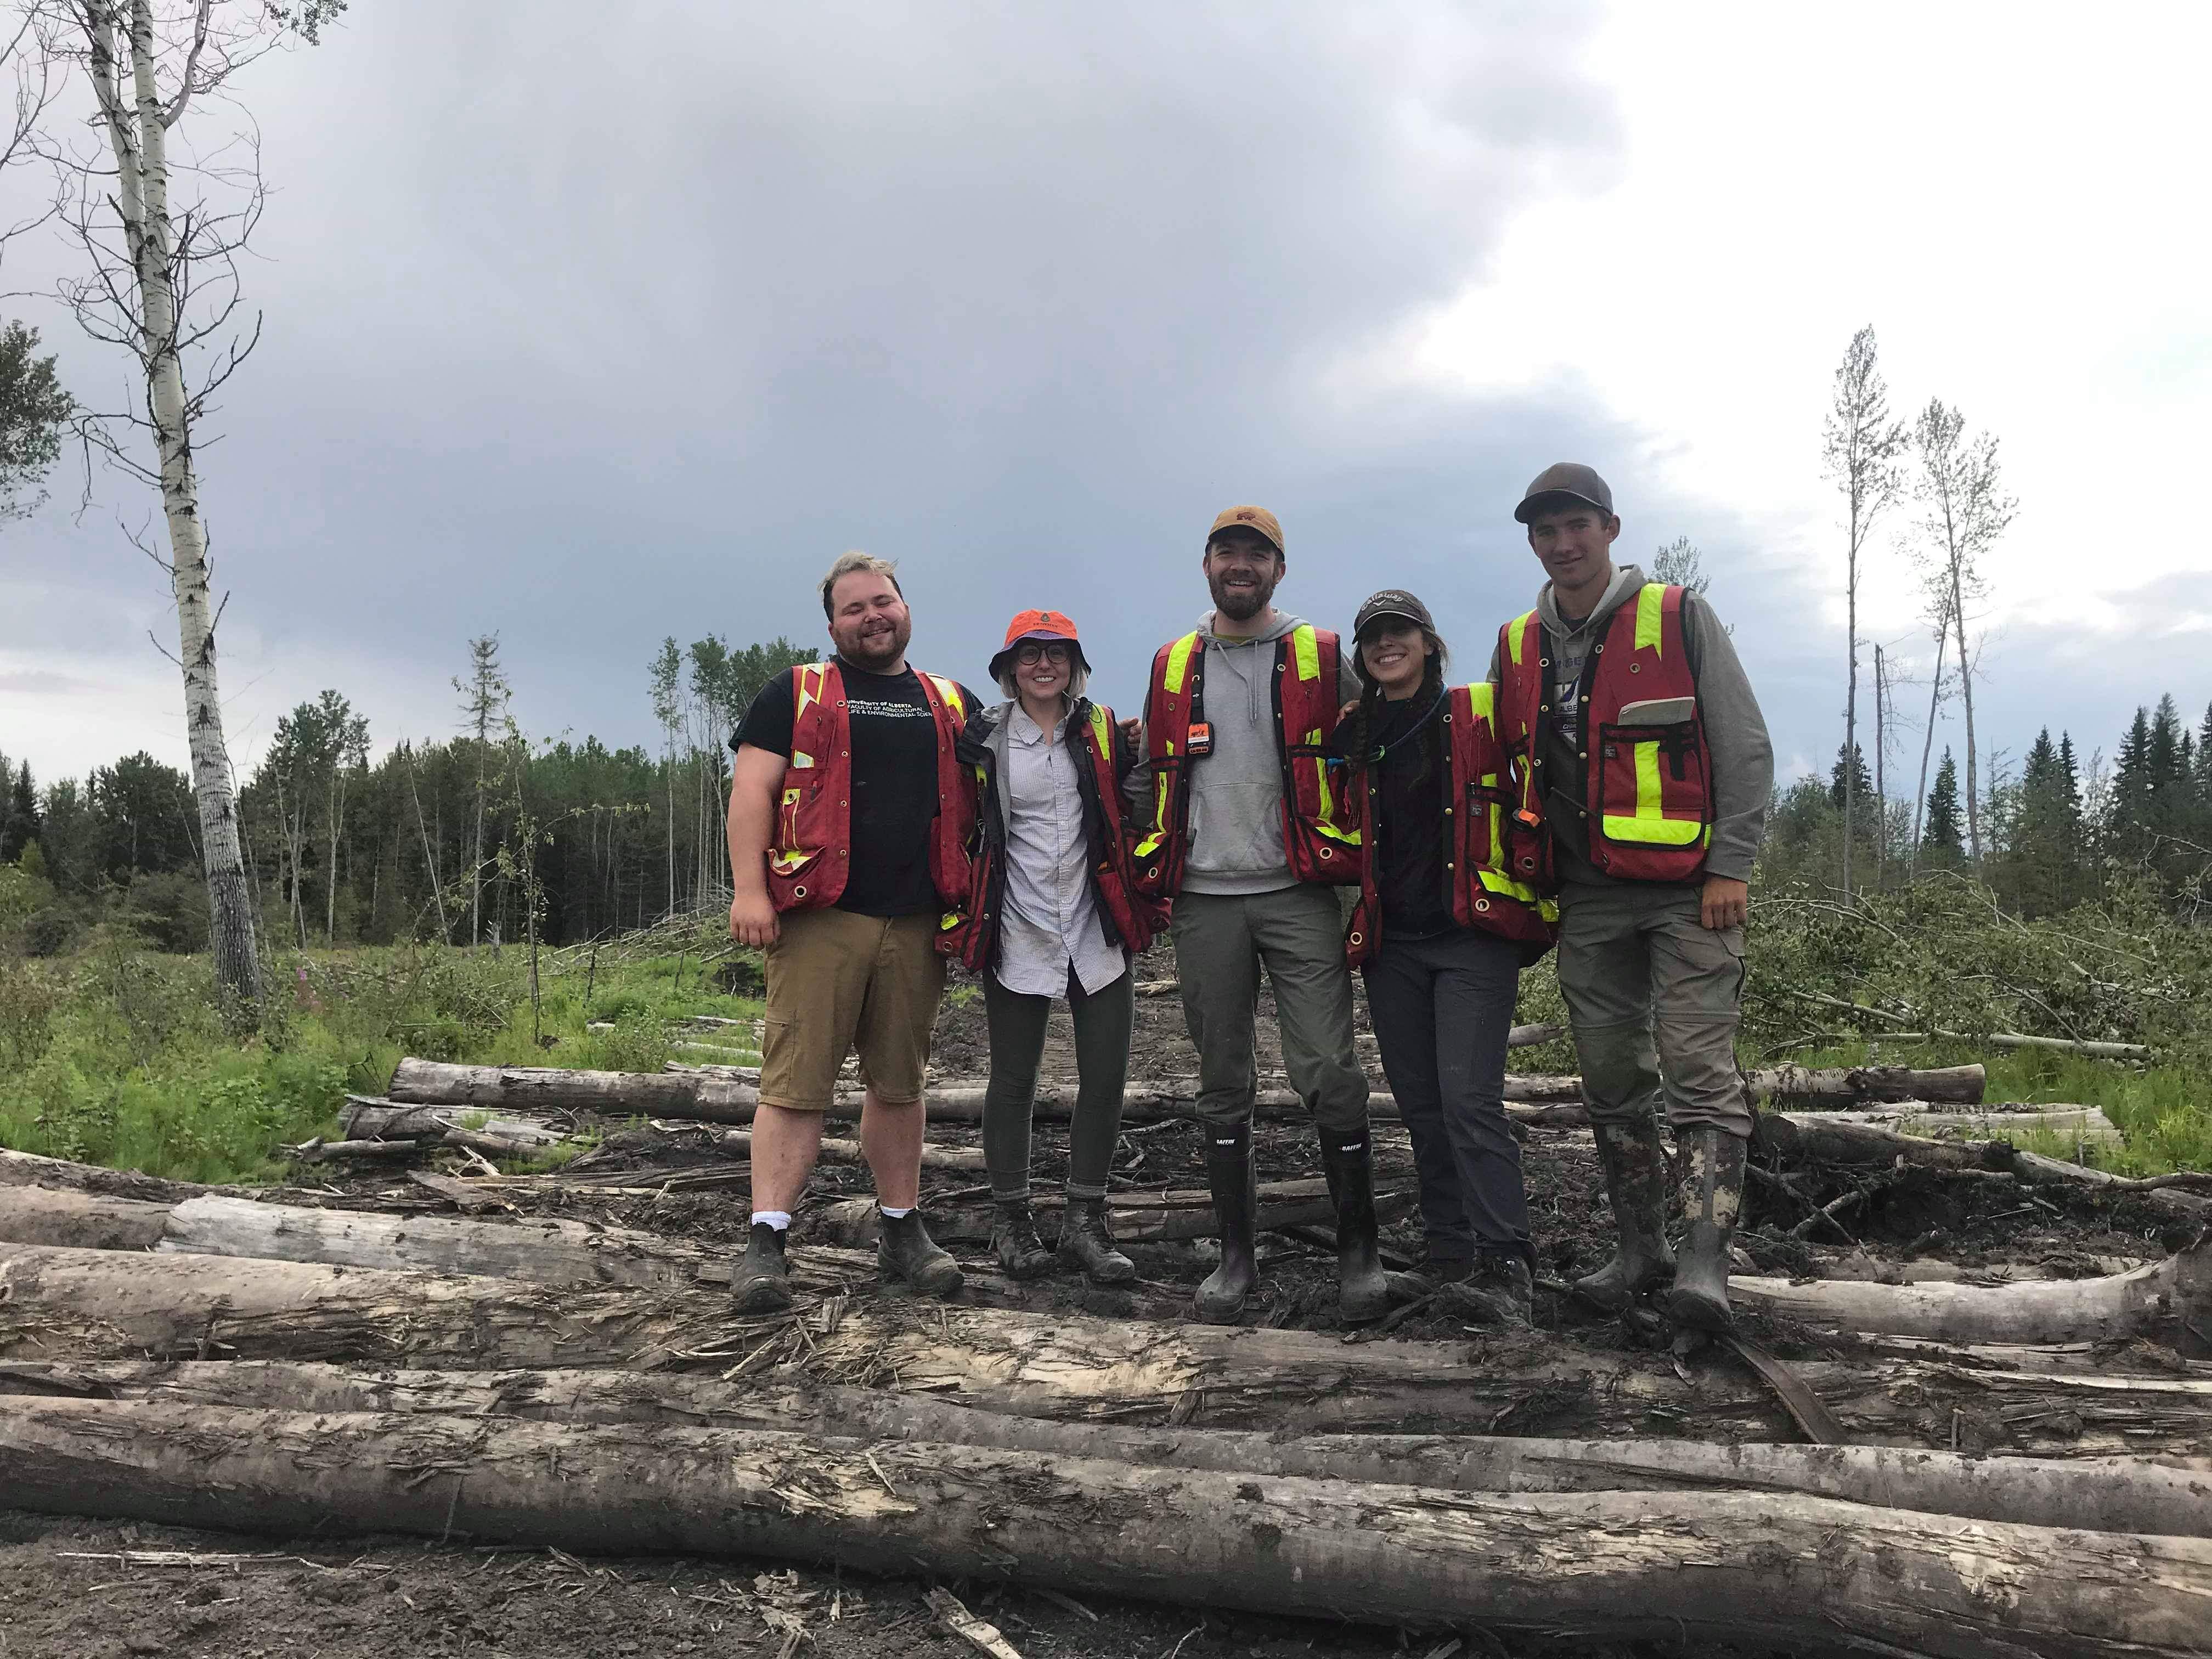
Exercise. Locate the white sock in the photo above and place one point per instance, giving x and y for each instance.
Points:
(779, 1219)
(895, 1214)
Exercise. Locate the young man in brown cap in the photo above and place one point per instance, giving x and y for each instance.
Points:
(850, 815)
(1243, 824)
(1640, 771)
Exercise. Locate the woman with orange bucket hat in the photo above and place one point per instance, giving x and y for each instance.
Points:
(1052, 912)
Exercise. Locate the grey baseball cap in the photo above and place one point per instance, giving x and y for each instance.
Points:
(1569, 480)
(1392, 602)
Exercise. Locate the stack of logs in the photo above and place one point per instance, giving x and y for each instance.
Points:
(201, 1357)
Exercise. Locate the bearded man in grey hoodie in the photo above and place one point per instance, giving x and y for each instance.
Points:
(1641, 770)
(1239, 808)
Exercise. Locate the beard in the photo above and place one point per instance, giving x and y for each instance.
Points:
(1241, 604)
(881, 648)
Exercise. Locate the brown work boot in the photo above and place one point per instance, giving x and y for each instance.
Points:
(1086, 1244)
(1635, 1163)
(1014, 1240)
(760, 1282)
(1712, 1194)
(905, 1250)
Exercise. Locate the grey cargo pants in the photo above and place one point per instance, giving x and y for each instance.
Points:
(1221, 941)
(1636, 964)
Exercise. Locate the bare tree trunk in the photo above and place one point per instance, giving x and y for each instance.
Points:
(1850, 690)
(138, 135)
(1764, 1570)
(2103, 1494)
(1927, 748)
(430, 856)
(1881, 771)
(1966, 693)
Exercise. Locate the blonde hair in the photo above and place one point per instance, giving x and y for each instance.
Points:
(1079, 677)
(847, 563)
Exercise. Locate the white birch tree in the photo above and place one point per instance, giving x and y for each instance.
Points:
(483, 703)
(1861, 450)
(160, 231)
(1966, 510)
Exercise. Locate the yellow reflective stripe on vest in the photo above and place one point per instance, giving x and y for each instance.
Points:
(1099, 730)
(1305, 650)
(1179, 662)
(950, 692)
(1495, 882)
(1651, 615)
(1516, 632)
(1650, 827)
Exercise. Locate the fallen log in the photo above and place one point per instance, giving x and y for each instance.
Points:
(545, 1089)
(29, 1170)
(1867, 1083)
(1132, 1218)
(81, 1220)
(738, 1144)
(380, 1120)
(84, 1305)
(2169, 1302)
(2080, 1123)
(318, 1150)
(2112, 1494)
(1730, 1567)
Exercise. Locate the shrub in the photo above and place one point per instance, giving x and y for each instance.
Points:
(47, 933)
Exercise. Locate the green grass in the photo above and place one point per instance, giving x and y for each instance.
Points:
(116, 1056)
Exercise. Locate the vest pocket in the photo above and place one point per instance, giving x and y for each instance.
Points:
(1652, 785)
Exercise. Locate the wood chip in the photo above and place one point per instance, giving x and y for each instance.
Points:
(985, 1637)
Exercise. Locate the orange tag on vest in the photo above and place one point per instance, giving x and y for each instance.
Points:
(1200, 741)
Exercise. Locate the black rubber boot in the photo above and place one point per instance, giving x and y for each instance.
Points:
(1229, 1175)
(1014, 1240)
(1712, 1194)
(1084, 1243)
(1362, 1293)
(760, 1283)
(1635, 1163)
(905, 1250)
(1500, 1291)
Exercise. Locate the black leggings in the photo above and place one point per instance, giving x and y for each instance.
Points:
(1103, 1020)
(1442, 1009)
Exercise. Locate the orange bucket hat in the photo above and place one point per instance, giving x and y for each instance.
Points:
(1037, 625)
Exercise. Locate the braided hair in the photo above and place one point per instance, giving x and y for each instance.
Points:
(1355, 733)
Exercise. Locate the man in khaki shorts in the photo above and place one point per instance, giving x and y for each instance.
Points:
(849, 824)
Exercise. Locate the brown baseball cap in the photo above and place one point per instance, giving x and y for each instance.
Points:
(1569, 480)
(1257, 518)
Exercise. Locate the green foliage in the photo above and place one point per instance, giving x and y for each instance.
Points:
(33, 409)
(638, 1043)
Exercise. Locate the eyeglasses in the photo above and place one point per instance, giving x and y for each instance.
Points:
(1028, 654)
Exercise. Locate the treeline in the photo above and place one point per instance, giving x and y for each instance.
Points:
(451, 839)
(457, 839)
(2060, 828)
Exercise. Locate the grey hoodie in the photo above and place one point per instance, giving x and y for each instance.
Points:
(1237, 790)
(1735, 732)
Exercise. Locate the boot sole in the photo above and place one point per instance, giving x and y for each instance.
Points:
(1699, 1313)
(1365, 1306)
(762, 1298)
(1126, 1273)
(1215, 1308)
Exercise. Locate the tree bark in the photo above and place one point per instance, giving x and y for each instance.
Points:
(2110, 1494)
(89, 1305)
(49, 1215)
(138, 135)
(29, 1170)
(1764, 1569)
(2167, 1302)
(381, 1120)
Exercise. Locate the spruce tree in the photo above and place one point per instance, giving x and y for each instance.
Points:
(1862, 781)
(19, 819)
(1941, 838)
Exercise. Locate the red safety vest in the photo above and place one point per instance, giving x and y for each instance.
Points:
(1321, 843)
(1648, 803)
(1479, 803)
(972, 937)
(811, 849)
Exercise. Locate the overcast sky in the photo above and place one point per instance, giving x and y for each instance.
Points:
(588, 332)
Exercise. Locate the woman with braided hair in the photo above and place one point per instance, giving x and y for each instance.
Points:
(1440, 942)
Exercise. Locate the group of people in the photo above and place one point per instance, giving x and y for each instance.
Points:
(1603, 788)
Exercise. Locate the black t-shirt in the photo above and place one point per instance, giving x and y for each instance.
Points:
(894, 783)
(1409, 840)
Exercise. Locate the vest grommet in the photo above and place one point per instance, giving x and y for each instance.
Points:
(798, 892)
(1635, 668)
(1482, 904)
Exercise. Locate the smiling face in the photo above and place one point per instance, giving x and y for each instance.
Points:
(868, 621)
(1395, 654)
(1574, 541)
(1044, 668)
(1242, 568)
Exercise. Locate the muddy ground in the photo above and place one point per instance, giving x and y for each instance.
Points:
(72, 1590)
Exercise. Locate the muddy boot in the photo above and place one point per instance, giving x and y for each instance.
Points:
(905, 1250)
(1228, 1174)
(1014, 1240)
(1712, 1193)
(760, 1283)
(1636, 1182)
(1363, 1292)
(1086, 1244)
(1499, 1290)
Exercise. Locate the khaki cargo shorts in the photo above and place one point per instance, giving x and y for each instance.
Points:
(838, 982)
